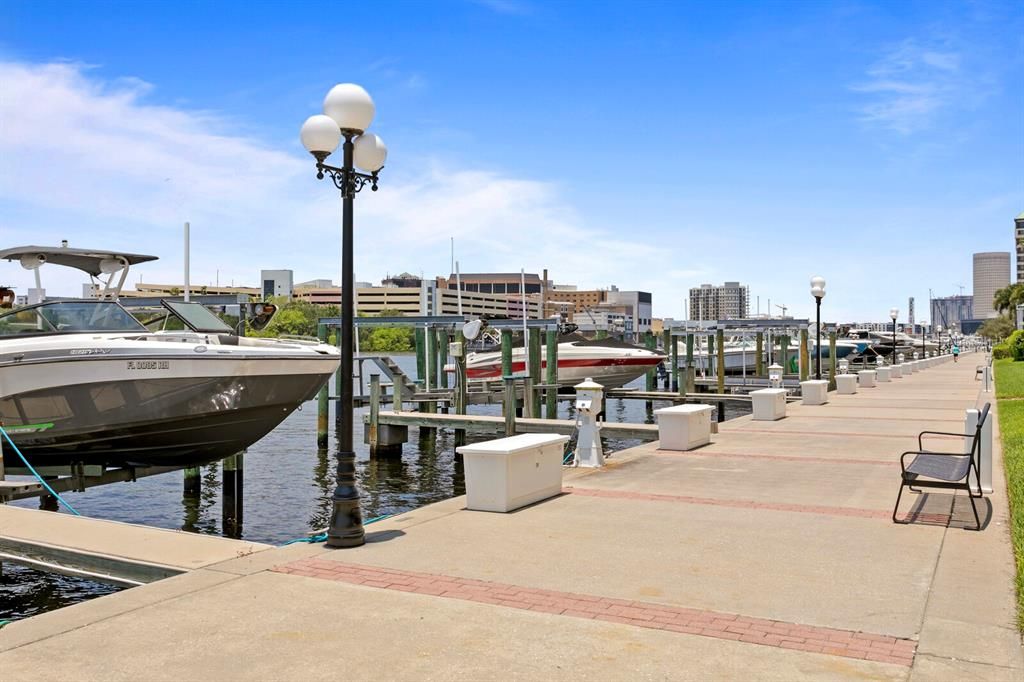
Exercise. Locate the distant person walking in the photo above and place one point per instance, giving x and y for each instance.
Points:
(956, 352)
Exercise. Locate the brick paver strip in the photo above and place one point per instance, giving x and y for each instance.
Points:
(943, 519)
(784, 458)
(766, 632)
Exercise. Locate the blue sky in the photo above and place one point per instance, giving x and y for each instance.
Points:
(648, 145)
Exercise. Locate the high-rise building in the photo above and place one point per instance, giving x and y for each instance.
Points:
(991, 272)
(1018, 235)
(948, 311)
(910, 311)
(731, 301)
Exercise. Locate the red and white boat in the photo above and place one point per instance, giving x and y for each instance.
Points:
(608, 362)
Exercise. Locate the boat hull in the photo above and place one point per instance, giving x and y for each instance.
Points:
(154, 420)
(612, 368)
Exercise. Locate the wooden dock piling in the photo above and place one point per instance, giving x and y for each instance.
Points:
(508, 406)
(551, 375)
(322, 403)
(832, 361)
(691, 371)
(232, 497)
(720, 369)
(673, 353)
(804, 356)
(650, 343)
(666, 344)
(759, 360)
(532, 396)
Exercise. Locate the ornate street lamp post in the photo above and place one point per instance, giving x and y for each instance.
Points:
(348, 111)
(893, 314)
(818, 292)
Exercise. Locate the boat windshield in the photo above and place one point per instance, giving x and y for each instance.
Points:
(69, 316)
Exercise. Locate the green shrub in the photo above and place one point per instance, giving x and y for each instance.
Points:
(1001, 351)
(1016, 344)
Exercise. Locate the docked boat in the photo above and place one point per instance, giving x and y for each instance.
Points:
(741, 353)
(609, 362)
(84, 381)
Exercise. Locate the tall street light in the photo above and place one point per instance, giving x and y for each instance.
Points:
(348, 111)
(818, 292)
(924, 323)
(893, 314)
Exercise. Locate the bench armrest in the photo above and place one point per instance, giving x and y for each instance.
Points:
(920, 445)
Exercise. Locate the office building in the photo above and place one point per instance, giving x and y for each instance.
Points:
(276, 283)
(1018, 236)
(949, 311)
(492, 282)
(991, 273)
(731, 301)
(636, 304)
(910, 311)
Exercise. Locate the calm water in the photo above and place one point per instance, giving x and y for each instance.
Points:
(287, 487)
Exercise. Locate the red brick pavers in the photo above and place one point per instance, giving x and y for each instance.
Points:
(766, 632)
(943, 519)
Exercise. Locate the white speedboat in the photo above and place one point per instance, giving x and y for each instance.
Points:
(608, 362)
(741, 353)
(83, 381)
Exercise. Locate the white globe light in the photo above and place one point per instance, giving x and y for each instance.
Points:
(818, 282)
(894, 313)
(818, 292)
(350, 106)
(320, 134)
(369, 152)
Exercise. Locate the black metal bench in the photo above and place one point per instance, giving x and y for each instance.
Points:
(932, 469)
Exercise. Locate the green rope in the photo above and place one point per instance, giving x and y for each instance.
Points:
(322, 537)
(36, 474)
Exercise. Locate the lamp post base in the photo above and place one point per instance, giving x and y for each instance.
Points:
(346, 527)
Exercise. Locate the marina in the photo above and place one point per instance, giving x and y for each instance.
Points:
(444, 563)
(500, 340)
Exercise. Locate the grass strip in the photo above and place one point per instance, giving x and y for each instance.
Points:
(1010, 381)
(1010, 378)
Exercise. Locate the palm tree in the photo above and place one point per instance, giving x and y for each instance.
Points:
(1001, 300)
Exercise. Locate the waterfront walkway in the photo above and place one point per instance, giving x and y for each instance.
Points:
(766, 555)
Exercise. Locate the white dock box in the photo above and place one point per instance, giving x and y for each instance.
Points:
(509, 473)
(769, 404)
(846, 384)
(814, 392)
(866, 377)
(684, 427)
(884, 374)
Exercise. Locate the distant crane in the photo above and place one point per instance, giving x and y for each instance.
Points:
(782, 308)
(961, 288)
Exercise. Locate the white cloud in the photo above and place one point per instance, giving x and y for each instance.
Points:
(98, 163)
(910, 85)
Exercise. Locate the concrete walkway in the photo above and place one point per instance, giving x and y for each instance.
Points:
(766, 555)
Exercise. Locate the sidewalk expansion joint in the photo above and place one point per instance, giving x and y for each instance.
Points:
(930, 518)
(782, 458)
(714, 624)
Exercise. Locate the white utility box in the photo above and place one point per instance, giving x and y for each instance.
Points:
(846, 384)
(769, 404)
(509, 473)
(884, 374)
(897, 371)
(814, 392)
(912, 367)
(866, 378)
(684, 427)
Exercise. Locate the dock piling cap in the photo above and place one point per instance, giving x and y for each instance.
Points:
(589, 385)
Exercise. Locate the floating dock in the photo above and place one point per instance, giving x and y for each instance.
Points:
(768, 554)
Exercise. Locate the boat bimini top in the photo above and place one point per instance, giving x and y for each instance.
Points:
(95, 262)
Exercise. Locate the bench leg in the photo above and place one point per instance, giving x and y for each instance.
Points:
(897, 506)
